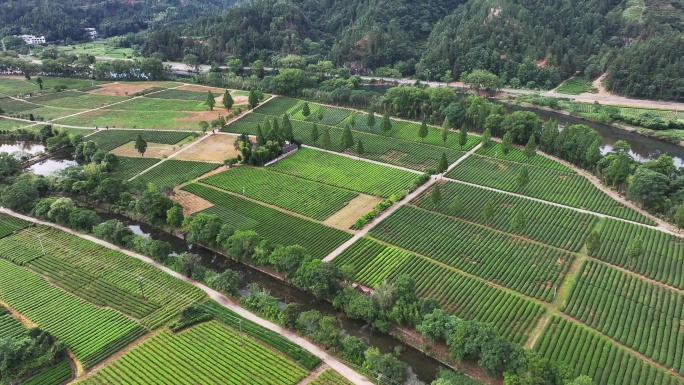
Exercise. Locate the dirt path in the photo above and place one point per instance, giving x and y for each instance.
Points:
(331, 361)
(314, 373)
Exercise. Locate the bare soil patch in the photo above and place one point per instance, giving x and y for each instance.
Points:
(191, 203)
(192, 87)
(154, 150)
(346, 217)
(198, 116)
(215, 148)
(120, 89)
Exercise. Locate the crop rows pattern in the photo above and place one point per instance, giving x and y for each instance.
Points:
(111, 139)
(116, 273)
(460, 295)
(662, 257)
(149, 104)
(9, 327)
(330, 377)
(54, 375)
(182, 95)
(639, 314)
(344, 172)
(529, 268)
(10, 224)
(553, 225)
(129, 167)
(413, 155)
(518, 155)
(209, 353)
(274, 225)
(174, 172)
(311, 199)
(83, 327)
(266, 336)
(589, 353)
(554, 186)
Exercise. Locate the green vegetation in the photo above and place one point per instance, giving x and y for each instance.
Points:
(661, 257)
(173, 172)
(76, 265)
(330, 377)
(553, 225)
(648, 322)
(8, 124)
(468, 298)
(150, 105)
(526, 267)
(9, 327)
(413, 155)
(344, 172)
(14, 87)
(129, 167)
(111, 139)
(312, 199)
(92, 333)
(318, 240)
(55, 375)
(75, 100)
(206, 353)
(518, 155)
(162, 120)
(576, 85)
(10, 224)
(105, 48)
(554, 186)
(259, 332)
(181, 94)
(587, 352)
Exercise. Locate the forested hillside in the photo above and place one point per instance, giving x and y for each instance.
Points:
(62, 19)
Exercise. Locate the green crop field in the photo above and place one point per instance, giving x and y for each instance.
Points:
(173, 172)
(9, 327)
(587, 352)
(330, 377)
(554, 186)
(150, 104)
(54, 375)
(263, 334)
(209, 353)
(150, 120)
(518, 155)
(111, 139)
(89, 331)
(17, 107)
(10, 224)
(318, 239)
(76, 100)
(344, 172)
(662, 257)
(529, 268)
(182, 95)
(100, 275)
(576, 86)
(98, 48)
(129, 167)
(15, 86)
(465, 297)
(416, 156)
(311, 199)
(639, 314)
(553, 225)
(9, 124)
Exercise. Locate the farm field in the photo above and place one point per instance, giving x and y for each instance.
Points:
(576, 86)
(9, 124)
(129, 167)
(54, 375)
(554, 186)
(662, 253)
(639, 314)
(89, 331)
(183, 95)
(553, 225)
(344, 172)
(150, 120)
(330, 377)
(173, 172)
(215, 148)
(150, 104)
(523, 266)
(415, 156)
(75, 100)
(111, 139)
(100, 275)
(9, 327)
(10, 224)
(205, 353)
(462, 296)
(243, 214)
(98, 49)
(16, 85)
(311, 199)
(587, 352)
(518, 155)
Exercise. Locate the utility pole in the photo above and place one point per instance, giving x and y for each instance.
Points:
(142, 290)
(40, 239)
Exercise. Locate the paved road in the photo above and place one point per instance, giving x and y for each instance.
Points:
(338, 366)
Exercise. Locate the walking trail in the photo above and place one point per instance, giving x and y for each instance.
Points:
(331, 361)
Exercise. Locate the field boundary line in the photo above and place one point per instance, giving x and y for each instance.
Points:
(171, 156)
(333, 362)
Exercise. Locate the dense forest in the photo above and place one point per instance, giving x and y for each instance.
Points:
(66, 19)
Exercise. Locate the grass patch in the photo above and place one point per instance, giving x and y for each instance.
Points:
(577, 85)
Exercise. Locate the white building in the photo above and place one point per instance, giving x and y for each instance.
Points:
(92, 32)
(30, 39)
